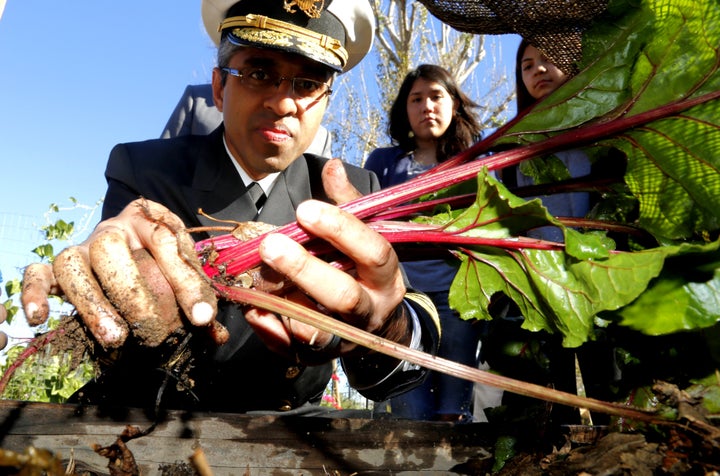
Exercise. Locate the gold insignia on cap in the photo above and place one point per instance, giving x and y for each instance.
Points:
(266, 37)
(308, 6)
(261, 29)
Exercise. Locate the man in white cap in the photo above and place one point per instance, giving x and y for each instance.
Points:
(276, 64)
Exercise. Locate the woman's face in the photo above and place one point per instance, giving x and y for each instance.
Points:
(430, 110)
(539, 75)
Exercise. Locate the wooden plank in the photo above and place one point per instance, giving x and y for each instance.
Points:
(248, 444)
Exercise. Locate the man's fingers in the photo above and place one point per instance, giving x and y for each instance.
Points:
(287, 336)
(335, 181)
(270, 330)
(38, 283)
(149, 225)
(150, 310)
(376, 264)
(377, 271)
(334, 289)
(74, 275)
(175, 255)
(349, 235)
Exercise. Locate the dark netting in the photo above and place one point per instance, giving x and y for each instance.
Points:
(555, 27)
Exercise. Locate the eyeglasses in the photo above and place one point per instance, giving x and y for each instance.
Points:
(304, 89)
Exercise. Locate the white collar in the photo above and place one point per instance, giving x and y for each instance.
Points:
(266, 183)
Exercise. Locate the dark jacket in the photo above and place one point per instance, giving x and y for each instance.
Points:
(187, 174)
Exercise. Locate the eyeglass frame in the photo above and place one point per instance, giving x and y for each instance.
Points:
(239, 74)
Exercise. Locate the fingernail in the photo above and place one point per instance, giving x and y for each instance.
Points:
(110, 332)
(31, 309)
(271, 247)
(310, 211)
(202, 314)
(337, 169)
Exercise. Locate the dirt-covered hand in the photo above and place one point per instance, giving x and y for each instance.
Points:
(128, 276)
(3, 336)
(38, 283)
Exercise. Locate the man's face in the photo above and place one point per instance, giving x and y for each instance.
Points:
(266, 129)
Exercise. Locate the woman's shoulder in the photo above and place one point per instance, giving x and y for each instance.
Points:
(391, 151)
(384, 155)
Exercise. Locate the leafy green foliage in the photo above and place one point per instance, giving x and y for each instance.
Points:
(639, 57)
(649, 54)
(44, 377)
(504, 451)
(686, 296)
(60, 230)
(707, 389)
(554, 290)
(12, 288)
(45, 251)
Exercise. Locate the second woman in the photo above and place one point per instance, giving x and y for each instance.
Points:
(431, 120)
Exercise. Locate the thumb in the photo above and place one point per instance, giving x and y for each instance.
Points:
(335, 181)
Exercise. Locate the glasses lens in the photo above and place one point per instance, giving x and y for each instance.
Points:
(263, 80)
(305, 88)
(257, 78)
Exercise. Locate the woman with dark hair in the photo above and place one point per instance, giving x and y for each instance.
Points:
(431, 120)
(535, 75)
(446, 139)
(535, 78)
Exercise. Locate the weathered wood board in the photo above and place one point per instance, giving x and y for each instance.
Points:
(237, 444)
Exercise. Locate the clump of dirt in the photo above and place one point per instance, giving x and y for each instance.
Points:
(616, 453)
(72, 338)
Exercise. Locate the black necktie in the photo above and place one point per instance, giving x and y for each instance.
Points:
(257, 195)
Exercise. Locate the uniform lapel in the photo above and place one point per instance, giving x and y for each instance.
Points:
(291, 188)
(219, 191)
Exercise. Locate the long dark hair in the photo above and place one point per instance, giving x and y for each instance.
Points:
(522, 95)
(464, 128)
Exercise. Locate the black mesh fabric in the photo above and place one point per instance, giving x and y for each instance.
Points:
(555, 27)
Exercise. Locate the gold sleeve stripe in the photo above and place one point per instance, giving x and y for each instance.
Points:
(424, 302)
(265, 23)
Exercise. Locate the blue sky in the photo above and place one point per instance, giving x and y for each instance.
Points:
(78, 78)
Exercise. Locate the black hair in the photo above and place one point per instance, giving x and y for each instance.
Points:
(523, 97)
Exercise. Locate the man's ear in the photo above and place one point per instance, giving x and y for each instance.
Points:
(218, 88)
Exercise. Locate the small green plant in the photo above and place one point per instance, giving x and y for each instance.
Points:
(45, 376)
(32, 370)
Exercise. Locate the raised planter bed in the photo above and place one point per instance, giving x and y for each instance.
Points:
(245, 444)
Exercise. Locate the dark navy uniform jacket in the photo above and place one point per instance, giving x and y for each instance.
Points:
(190, 173)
